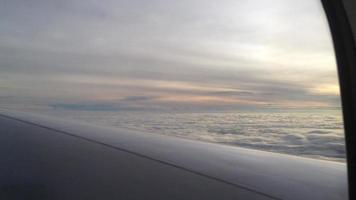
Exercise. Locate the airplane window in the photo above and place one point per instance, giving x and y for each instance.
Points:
(258, 74)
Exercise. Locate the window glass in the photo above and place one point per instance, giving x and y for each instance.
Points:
(259, 74)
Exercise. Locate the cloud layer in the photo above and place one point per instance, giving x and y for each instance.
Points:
(159, 54)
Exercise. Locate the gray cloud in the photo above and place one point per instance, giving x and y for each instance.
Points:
(137, 98)
(264, 51)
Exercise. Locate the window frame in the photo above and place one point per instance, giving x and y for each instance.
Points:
(345, 52)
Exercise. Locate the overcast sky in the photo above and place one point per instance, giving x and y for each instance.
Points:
(165, 54)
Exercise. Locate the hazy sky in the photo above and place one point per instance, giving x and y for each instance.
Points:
(165, 54)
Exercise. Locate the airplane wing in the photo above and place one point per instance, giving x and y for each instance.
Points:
(48, 158)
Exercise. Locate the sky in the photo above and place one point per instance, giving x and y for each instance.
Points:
(166, 55)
